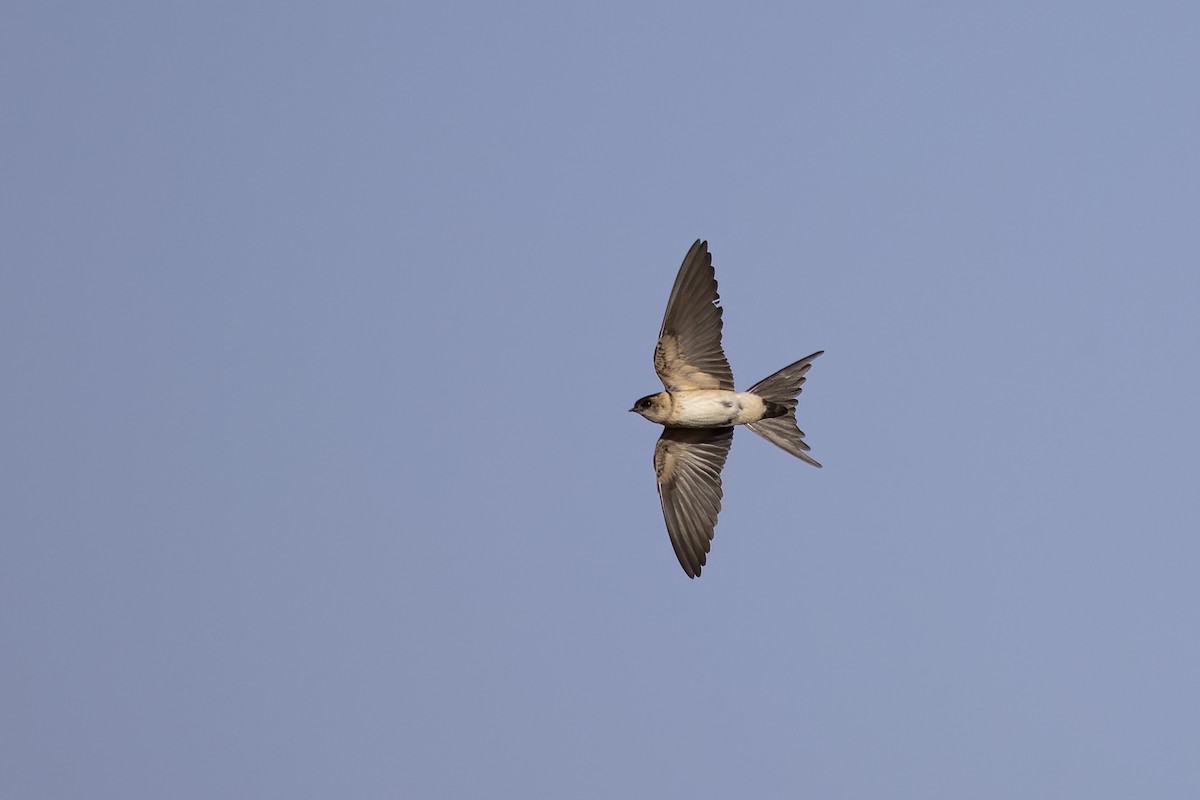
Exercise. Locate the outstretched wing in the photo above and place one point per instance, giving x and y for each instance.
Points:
(689, 354)
(688, 464)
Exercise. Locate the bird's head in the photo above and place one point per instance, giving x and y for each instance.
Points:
(654, 407)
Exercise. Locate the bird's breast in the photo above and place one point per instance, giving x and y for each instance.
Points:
(714, 408)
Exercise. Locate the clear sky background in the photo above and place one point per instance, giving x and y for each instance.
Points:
(319, 324)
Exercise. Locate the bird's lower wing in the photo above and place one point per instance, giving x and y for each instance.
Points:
(688, 464)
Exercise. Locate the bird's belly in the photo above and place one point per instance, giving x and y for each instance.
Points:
(714, 408)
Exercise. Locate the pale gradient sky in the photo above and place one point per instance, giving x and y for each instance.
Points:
(319, 324)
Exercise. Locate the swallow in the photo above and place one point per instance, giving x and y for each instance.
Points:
(700, 409)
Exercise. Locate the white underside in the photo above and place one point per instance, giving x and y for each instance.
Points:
(714, 408)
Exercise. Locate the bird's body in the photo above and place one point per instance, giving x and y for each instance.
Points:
(700, 408)
(705, 408)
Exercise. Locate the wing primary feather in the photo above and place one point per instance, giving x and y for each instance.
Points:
(688, 464)
(688, 354)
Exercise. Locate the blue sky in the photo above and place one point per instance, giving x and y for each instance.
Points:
(319, 326)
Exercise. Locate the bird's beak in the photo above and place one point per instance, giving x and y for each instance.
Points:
(633, 409)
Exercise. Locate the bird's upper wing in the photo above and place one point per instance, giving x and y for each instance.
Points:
(689, 354)
(688, 464)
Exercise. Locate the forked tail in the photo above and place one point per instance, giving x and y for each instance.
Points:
(780, 392)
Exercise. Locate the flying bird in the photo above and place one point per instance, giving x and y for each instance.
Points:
(700, 408)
